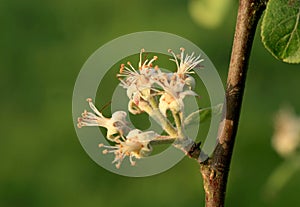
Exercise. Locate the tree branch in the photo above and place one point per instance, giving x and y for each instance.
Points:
(215, 169)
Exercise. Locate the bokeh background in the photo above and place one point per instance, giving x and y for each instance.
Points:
(43, 47)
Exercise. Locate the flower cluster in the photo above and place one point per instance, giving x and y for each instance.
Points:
(148, 82)
(151, 91)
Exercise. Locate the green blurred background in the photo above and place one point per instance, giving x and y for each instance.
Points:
(43, 47)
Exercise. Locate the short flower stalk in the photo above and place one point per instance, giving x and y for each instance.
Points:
(151, 91)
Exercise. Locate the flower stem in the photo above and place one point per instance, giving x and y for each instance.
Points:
(181, 141)
(157, 115)
(159, 141)
(177, 120)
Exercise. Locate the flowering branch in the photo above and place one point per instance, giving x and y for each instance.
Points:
(154, 92)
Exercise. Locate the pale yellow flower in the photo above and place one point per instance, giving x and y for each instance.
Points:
(174, 90)
(135, 145)
(116, 126)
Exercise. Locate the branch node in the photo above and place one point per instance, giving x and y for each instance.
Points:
(195, 150)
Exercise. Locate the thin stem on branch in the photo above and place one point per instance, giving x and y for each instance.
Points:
(215, 170)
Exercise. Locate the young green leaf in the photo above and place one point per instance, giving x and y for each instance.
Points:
(202, 115)
(281, 29)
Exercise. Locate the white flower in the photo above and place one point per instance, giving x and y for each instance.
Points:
(286, 138)
(187, 62)
(116, 126)
(174, 90)
(137, 82)
(136, 145)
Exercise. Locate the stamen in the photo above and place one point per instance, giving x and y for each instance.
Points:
(92, 106)
(182, 53)
(175, 58)
(89, 124)
(144, 64)
(141, 54)
(122, 68)
(152, 60)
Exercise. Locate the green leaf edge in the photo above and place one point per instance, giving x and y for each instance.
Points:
(286, 60)
(203, 115)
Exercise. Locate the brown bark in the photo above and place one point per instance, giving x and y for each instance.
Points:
(215, 170)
